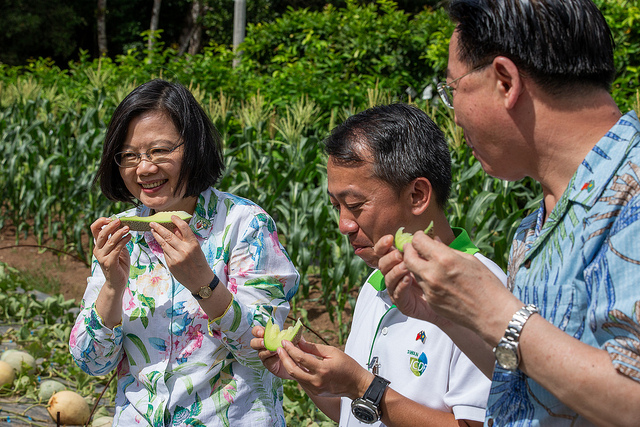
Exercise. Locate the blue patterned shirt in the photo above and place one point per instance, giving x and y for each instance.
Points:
(581, 268)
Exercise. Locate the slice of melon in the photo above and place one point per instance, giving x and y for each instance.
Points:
(273, 336)
(141, 223)
(401, 238)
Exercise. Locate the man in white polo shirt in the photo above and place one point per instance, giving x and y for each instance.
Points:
(388, 167)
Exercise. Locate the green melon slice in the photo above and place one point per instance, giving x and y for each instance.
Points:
(141, 223)
(402, 238)
(273, 336)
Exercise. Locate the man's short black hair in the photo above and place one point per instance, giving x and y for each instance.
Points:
(403, 142)
(562, 45)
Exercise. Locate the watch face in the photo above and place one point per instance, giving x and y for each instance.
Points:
(364, 411)
(364, 414)
(507, 357)
(205, 292)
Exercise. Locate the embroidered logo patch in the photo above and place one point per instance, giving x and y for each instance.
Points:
(587, 186)
(417, 363)
(421, 336)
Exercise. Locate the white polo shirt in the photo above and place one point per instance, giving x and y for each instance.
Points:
(419, 359)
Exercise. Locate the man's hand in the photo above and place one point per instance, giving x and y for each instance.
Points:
(403, 289)
(324, 370)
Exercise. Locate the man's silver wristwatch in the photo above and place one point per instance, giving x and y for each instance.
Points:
(507, 352)
(366, 409)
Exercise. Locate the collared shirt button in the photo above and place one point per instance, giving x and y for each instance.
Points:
(385, 330)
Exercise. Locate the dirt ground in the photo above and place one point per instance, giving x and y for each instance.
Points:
(72, 275)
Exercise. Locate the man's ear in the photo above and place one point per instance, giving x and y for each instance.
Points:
(420, 193)
(508, 80)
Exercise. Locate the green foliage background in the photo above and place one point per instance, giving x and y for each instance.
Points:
(298, 76)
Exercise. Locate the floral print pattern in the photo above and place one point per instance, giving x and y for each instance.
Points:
(177, 367)
(580, 267)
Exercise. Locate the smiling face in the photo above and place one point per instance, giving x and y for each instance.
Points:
(154, 185)
(369, 208)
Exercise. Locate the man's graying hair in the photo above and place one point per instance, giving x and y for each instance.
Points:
(403, 143)
(562, 45)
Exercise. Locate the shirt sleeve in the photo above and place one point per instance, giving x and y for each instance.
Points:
(95, 348)
(612, 277)
(262, 280)
(468, 388)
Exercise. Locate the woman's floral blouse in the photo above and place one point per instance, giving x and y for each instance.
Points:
(176, 366)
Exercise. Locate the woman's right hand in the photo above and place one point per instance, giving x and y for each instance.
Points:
(270, 359)
(111, 252)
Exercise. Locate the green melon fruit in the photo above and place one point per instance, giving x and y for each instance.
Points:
(48, 388)
(273, 336)
(402, 238)
(20, 361)
(141, 223)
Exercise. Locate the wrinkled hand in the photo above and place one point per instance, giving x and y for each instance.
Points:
(270, 359)
(456, 285)
(324, 370)
(111, 252)
(183, 254)
(403, 289)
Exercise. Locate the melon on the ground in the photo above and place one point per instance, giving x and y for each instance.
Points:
(273, 336)
(20, 361)
(141, 223)
(48, 388)
(74, 410)
(7, 374)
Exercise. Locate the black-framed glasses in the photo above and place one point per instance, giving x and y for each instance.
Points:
(155, 155)
(445, 90)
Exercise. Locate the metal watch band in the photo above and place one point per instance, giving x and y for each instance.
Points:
(206, 291)
(507, 351)
(512, 333)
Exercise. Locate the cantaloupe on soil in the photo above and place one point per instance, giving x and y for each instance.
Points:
(273, 336)
(20, 361)
(7, 374)
(141, 223)
(73, 409)
(48, 388)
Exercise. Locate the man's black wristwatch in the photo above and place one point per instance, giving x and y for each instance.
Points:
(366, 409)
(206, 291)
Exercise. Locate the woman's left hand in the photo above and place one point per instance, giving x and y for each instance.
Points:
(183, 254)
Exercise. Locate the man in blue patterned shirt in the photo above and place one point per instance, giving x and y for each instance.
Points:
(530, 83)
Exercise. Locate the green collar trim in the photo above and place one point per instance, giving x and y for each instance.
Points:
(461, 243)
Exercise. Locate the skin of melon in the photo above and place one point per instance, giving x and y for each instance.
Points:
(7, 374)
(74, 410)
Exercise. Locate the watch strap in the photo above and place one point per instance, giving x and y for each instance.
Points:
(511, 335)
(376, 390)
(212, 285)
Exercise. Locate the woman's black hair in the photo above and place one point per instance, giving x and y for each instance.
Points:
(202, 162)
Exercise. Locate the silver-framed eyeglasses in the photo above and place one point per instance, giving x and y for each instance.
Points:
(155, 155)
(445, 90)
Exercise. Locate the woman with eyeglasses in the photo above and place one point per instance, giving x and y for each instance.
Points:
(172, 311)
